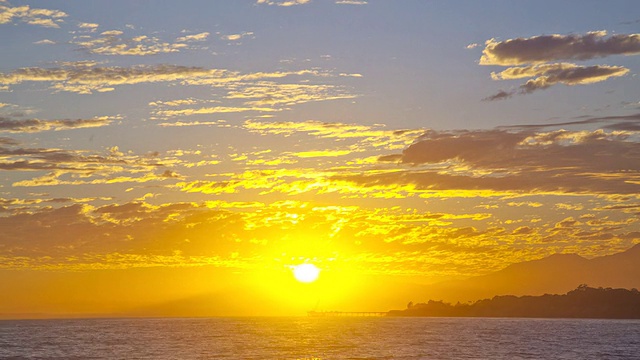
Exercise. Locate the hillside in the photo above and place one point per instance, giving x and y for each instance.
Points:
(555, 274)
(583, 302)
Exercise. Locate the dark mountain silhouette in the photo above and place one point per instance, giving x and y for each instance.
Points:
(555, 274)
(583, 302)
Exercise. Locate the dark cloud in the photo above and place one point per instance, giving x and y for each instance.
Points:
(624, 127)
(572, 76)
(59, 163)
(523, 182)
(36, 125)
(500, 95)
(525, 161)
(495, 149)
(170, 174)
(547, 48)
(535, 59)
(523, 230)
(390, 158)
(8, 141)
(620, 122)
(468, 146)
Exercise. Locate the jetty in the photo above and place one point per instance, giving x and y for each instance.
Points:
(346, 313)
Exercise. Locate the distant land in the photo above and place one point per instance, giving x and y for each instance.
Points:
(583, 302)
(555, 274)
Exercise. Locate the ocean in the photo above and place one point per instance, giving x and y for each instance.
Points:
(320, 338)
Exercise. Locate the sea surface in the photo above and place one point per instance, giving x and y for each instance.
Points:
(320, 338)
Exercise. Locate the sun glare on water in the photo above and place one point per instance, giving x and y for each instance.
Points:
(306, 273)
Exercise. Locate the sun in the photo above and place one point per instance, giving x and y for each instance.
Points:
(306, 273)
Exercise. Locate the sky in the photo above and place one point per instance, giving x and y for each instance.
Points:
(160, 155)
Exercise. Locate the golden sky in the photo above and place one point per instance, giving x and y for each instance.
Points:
(181, 159)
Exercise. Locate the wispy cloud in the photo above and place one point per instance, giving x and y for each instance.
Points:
(193, 37)
(285, 3)
(111, 42)
(89, 79)
(351, 2)
(374, 136)
(276, 94)
(209, 110)
(44, 42)
(53, 167)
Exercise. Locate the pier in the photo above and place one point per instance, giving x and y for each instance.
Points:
(346, 313)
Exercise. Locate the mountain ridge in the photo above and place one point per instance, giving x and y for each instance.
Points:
(556, 274)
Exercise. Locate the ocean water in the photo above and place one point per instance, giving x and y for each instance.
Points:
(320, 338)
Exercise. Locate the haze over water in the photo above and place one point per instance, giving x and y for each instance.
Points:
(320, 338)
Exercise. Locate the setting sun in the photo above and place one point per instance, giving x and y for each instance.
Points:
(306, 273)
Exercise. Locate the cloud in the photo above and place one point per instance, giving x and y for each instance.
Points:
(87, 79)
(570, 74)
(173, 103)
(43, 22)
(195, 37)
(209, 110)
(576, 75)
(277, 94)
(558, 161)
(616, 122)
(482, 164)
(538, 52)
(500, 95)
(546, 75)
(254, 92)
(369, 136)
(548, 48)
(32, 16)
(218, 123)
(91, 26)
(111, 42)
(112, 33)
(37, 125)
(384, 240)
(283, 3)
(8, 141)
(77, 167)
(321, 153)
(44, 42)
(234, 37)
(515, 170)
(525, 203)
(351, 2)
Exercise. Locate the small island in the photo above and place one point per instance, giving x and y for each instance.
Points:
(583, 302)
